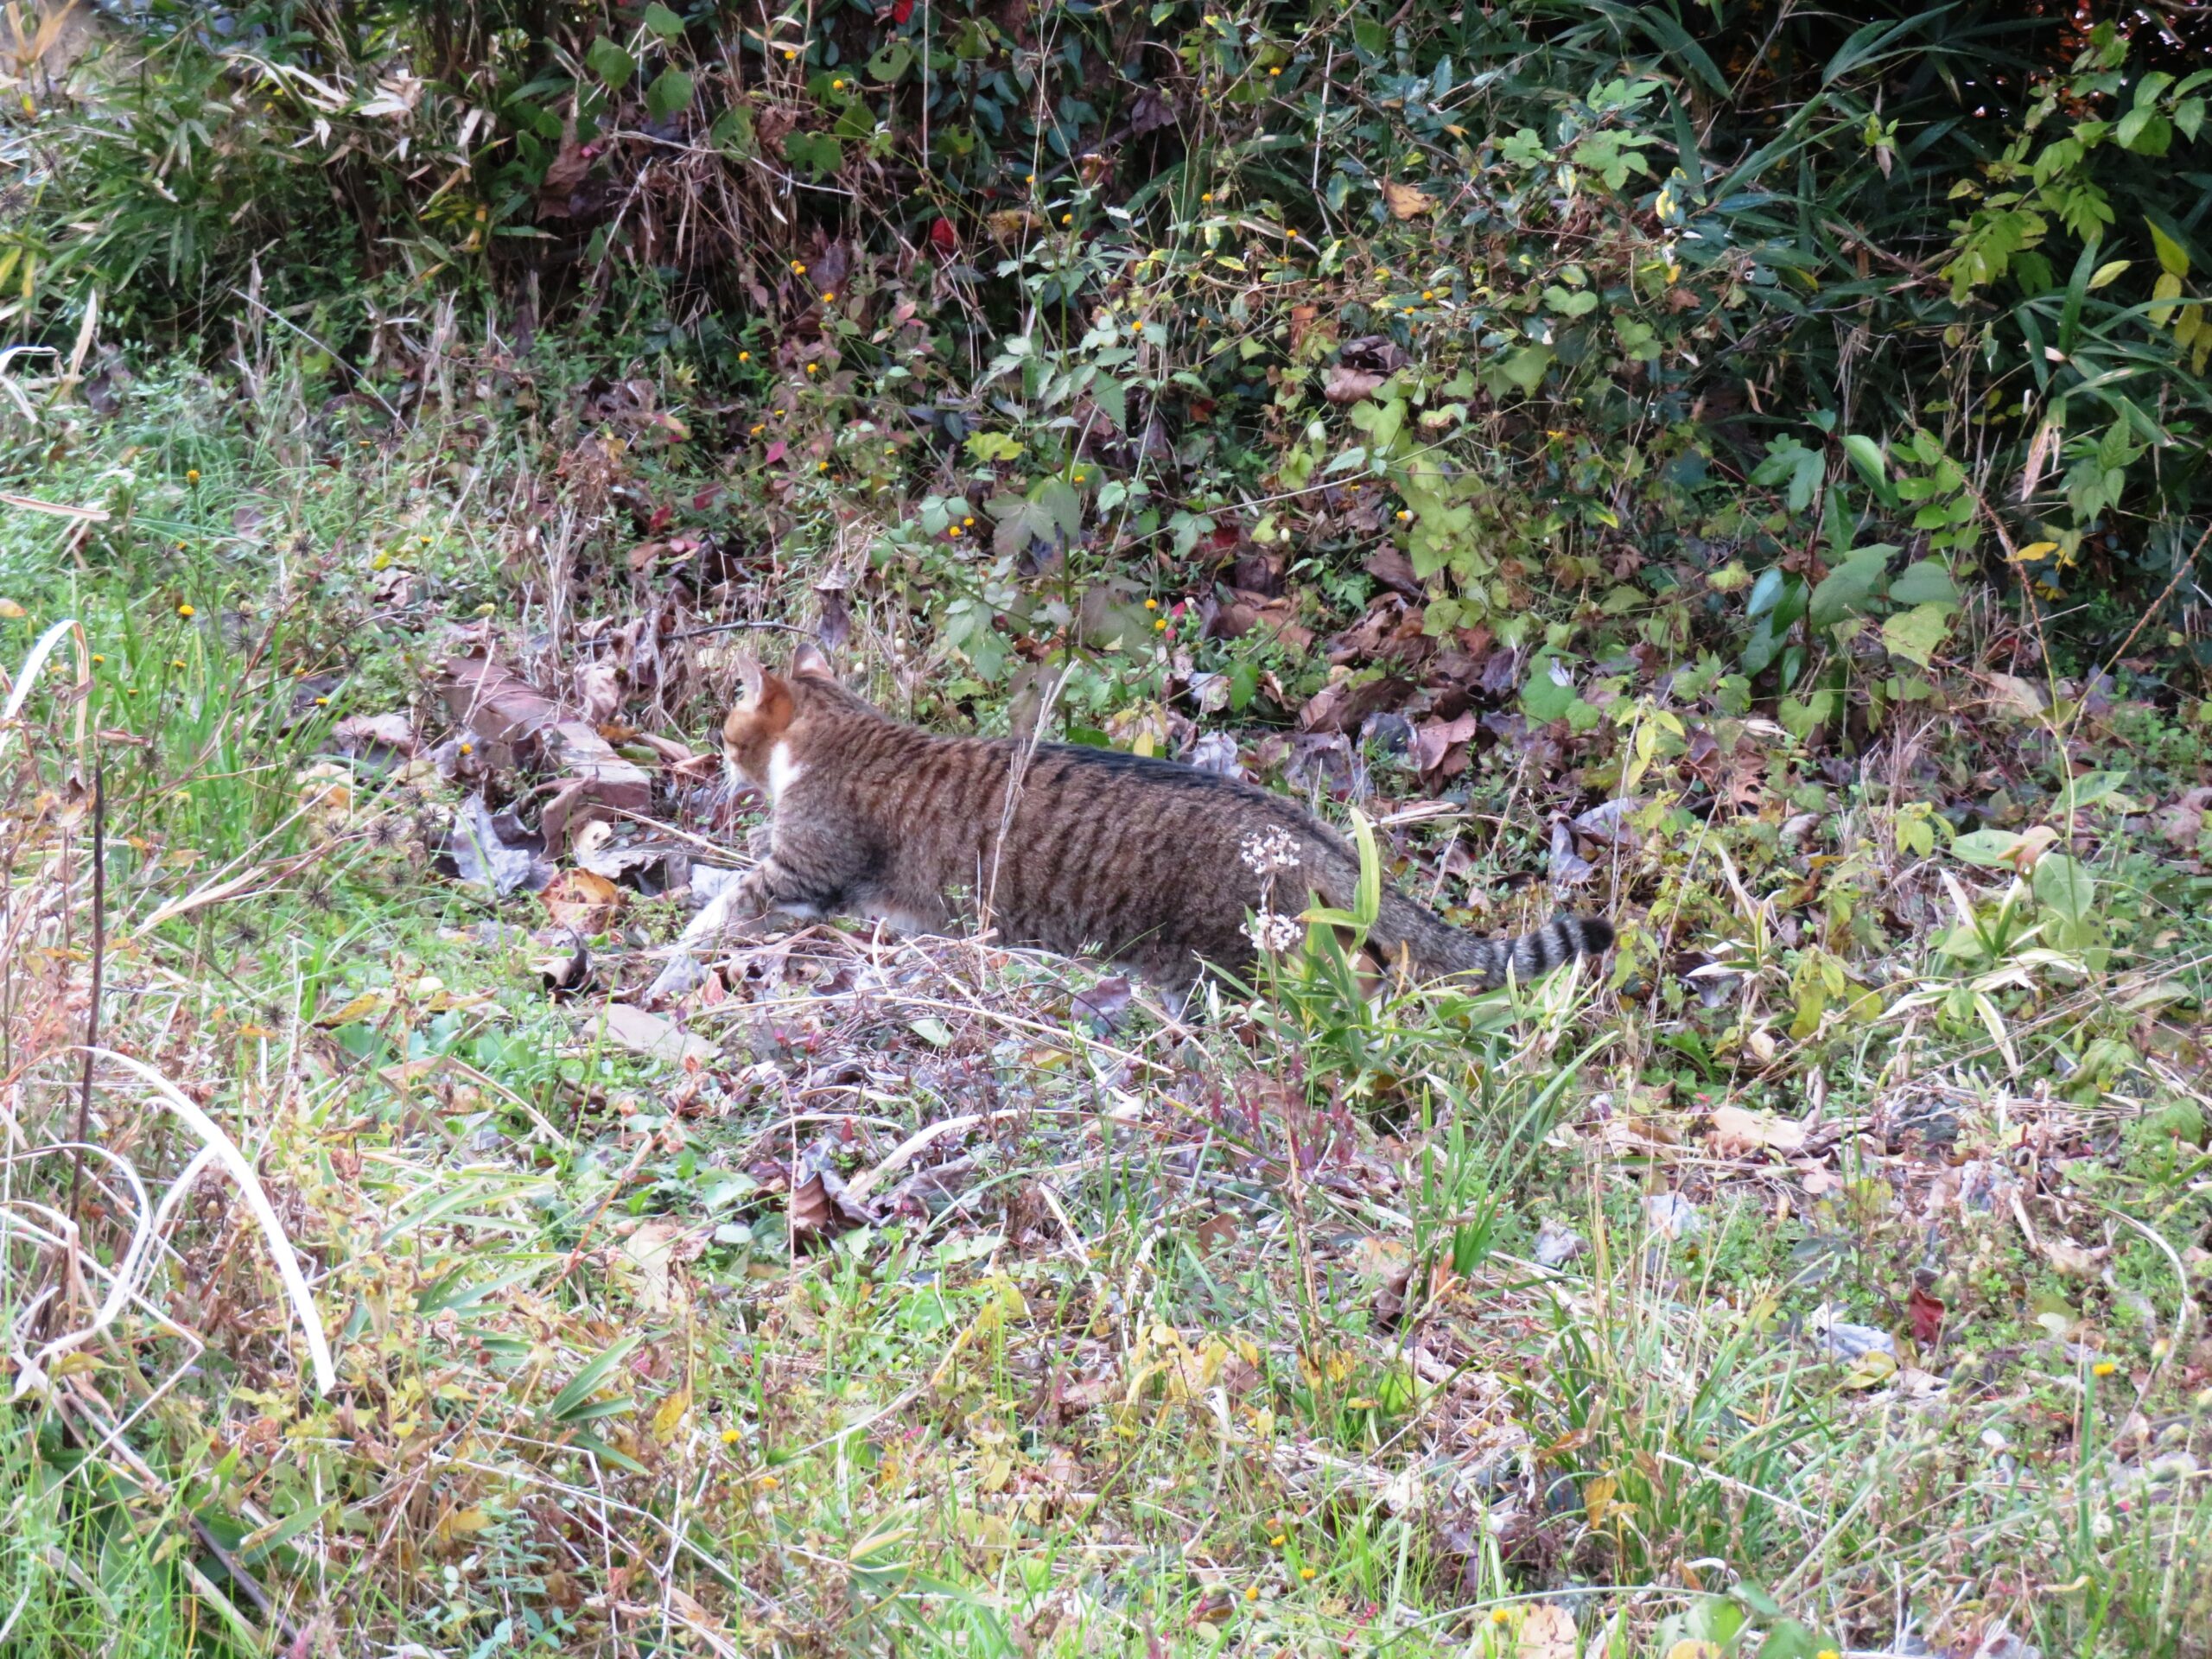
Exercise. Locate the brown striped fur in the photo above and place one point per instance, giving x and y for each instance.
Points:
(1149, 863)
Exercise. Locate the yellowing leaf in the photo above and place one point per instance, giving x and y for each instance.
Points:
(2034, 551)
(354, 1012)
(11, 611)
(1870, 1370)
(1690, 1648)
(2166, 289)
(668, 1416)
(1407, 200)
(2173, 258)
(2109, 273)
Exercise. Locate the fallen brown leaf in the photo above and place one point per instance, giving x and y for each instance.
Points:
(1407, 200)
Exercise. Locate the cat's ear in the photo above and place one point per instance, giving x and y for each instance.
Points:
(809, 663)
(755, 678)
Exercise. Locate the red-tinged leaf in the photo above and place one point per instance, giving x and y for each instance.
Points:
(902, 11)
(775, 452)
(1927, 1316)
(706, 498)
(659, 521)
(942, 236)
(1224, 537)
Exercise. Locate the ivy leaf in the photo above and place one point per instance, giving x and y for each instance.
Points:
(1546, 696)
(611, 63)
(670, 91)
(818, 153)
(1526, 367)
(663, 21)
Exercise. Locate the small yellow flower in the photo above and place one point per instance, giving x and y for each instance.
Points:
(1498, 1615)
(1276, 1543)
(322, 702)
(1428, 293)
(968, 521)
(798, 270)
(813, 368)
(176, 662)
(1827, 1653)
(768, 1481)
(180, 546)
(1067, 218)
(779, 413)
(789, 55)
(1276, 70)
(828, 299)
(1152, 604)
(838, 85)
(423, 539)
(758, 429)
(1029, 178)
(185, 611)
(1308, 1574)
(1251, 1592)
(468, 748)
(730, 1437)
(2103, 1368)
(955, 531)
(96, 658)
(1404, 513)
(1160, 626)
(745, 357)
(1206, 196)
(192, 475)
(1079, 477)
(821, 465)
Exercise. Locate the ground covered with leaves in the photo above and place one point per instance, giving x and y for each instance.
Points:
(1826, 1272)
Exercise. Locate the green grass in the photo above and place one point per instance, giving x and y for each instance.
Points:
(1219, 1340)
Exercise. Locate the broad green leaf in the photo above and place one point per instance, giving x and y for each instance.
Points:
(670, 91)
(1845, 591)
(1915, 634)
(1112, 401)
(1543, 699)
(663, 21)
(2062, 885)
(1867, 455)
(1925, 583)
(1987, 848)
(611, 63)
(1525, 368)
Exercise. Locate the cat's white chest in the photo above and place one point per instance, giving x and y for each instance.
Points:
(784, 771)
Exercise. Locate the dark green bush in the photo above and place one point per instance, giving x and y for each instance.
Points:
(1779, 329)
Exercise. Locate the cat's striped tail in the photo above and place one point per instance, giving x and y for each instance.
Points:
(1437, 949)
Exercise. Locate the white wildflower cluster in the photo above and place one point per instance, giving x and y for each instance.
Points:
(1268, 850)
(1274, 933)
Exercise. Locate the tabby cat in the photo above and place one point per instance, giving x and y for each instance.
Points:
(1158, 867)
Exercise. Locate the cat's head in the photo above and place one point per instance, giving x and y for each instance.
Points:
(762, 717)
